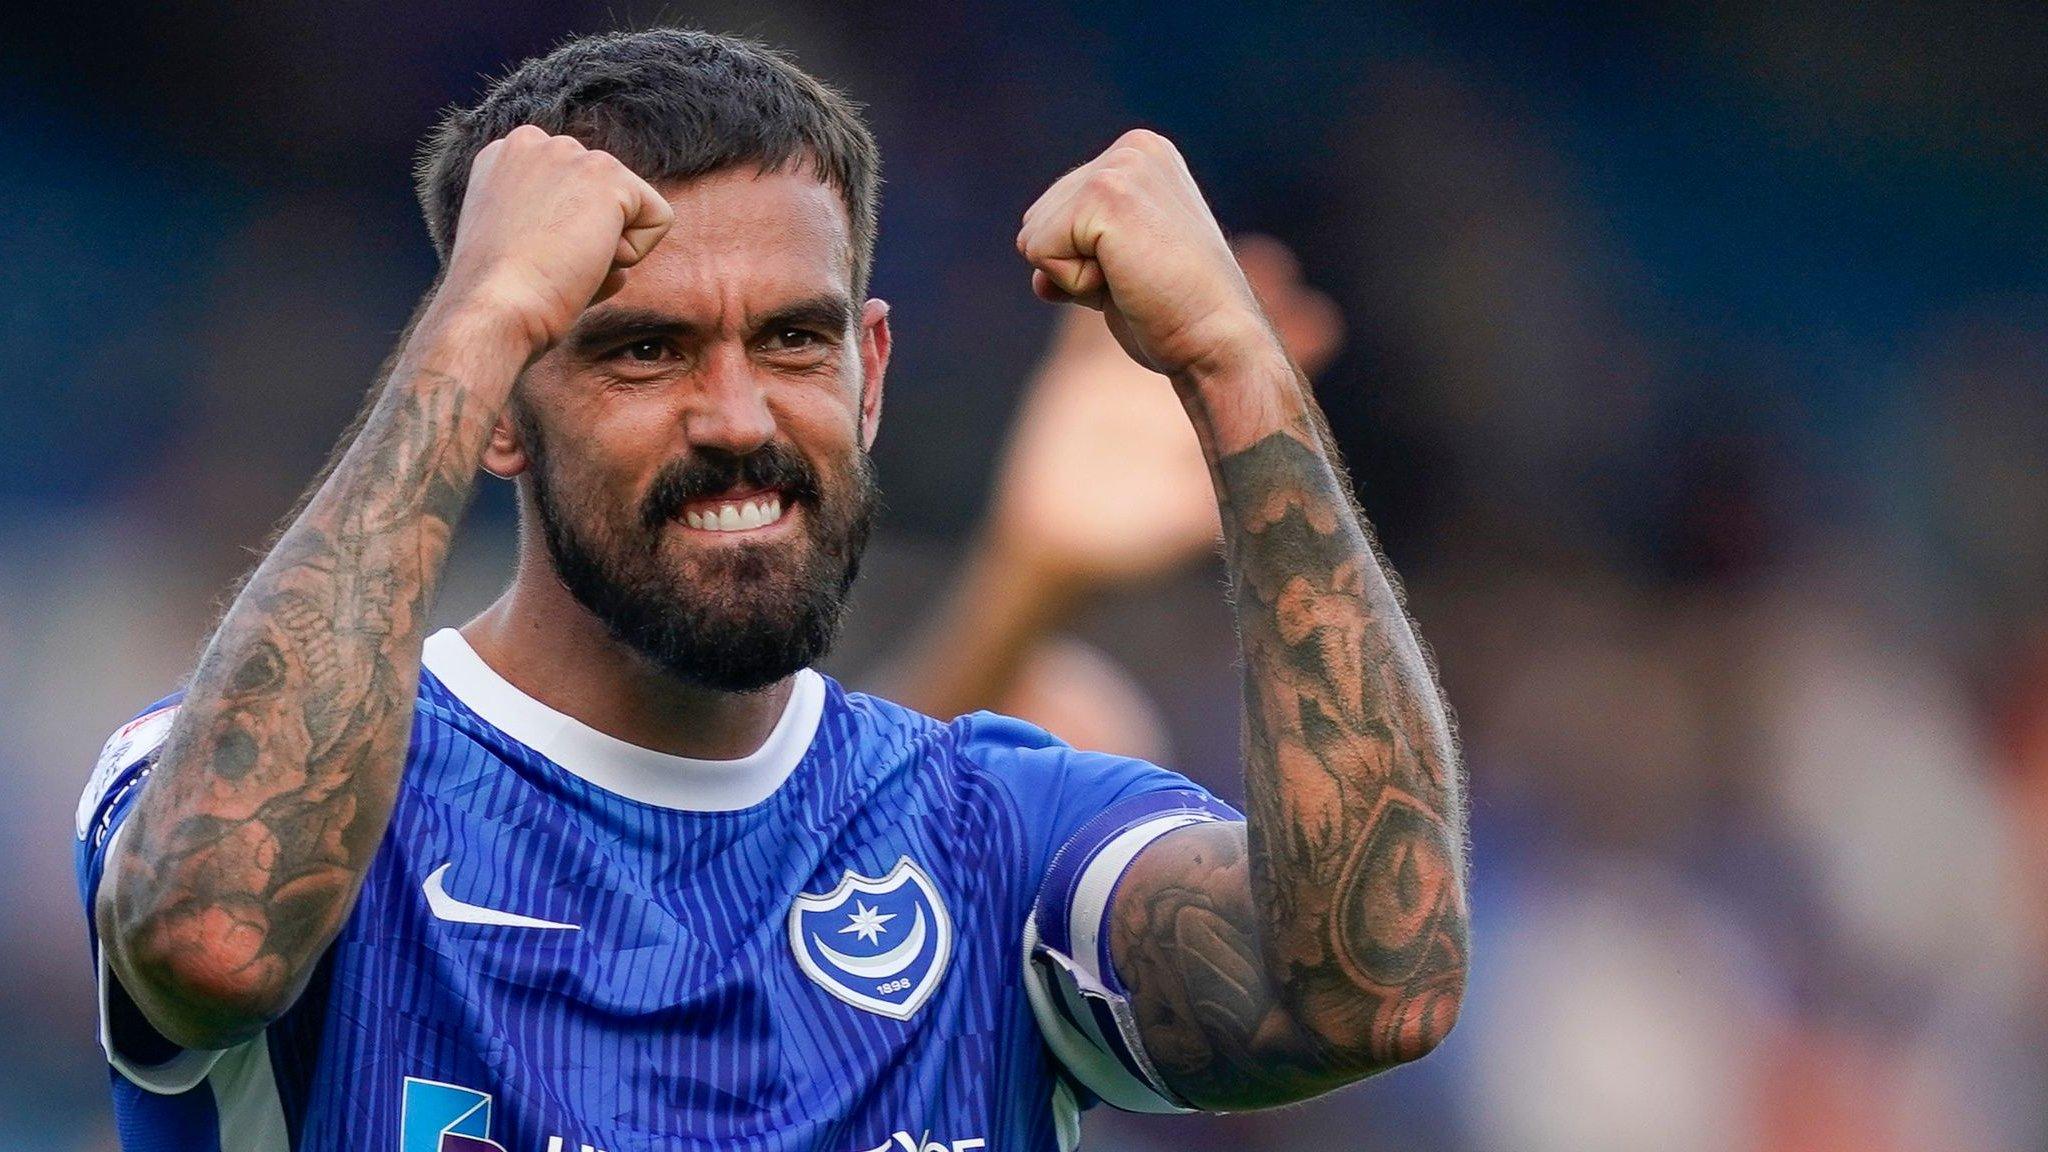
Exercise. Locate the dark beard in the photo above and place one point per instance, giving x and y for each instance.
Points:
(741, 619)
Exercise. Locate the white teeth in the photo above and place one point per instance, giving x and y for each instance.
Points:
(736, 517)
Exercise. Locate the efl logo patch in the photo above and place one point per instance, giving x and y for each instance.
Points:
(124, 750)
(437, 1117)
(879, 944)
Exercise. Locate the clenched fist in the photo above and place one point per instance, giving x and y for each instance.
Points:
(1129, 233)
(547, 224)
(1095, 421)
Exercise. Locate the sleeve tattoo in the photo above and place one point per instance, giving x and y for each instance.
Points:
(249, 846)
(1325, 939)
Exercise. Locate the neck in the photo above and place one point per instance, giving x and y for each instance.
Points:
(549, 646)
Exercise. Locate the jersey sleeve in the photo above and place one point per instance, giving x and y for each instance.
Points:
(133, 1048)
(1095, 813)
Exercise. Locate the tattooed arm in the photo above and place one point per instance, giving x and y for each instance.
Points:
(253, 833)
(1325, 939)
(251, 839)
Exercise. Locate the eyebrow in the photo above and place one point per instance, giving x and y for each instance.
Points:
(604, 329)
(607, 328)
(831, 312)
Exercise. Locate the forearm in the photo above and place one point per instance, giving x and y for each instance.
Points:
(1356, 820)
(250, 841)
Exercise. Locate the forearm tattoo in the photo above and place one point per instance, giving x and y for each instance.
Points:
(252, 836)
(1326, 939)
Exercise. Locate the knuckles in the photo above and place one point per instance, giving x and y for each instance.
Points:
(1127, 157)
(1140, 166)
(533, 139)
(529, 148)
(524, 138)
(1144, 140)
(1112, 186)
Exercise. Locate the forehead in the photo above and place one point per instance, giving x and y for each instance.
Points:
(745, 238)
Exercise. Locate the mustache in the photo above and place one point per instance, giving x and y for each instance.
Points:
(710, 471)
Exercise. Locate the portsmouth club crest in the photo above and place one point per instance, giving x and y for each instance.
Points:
(879, 944)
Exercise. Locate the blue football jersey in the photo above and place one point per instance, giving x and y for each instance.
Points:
(568, 943)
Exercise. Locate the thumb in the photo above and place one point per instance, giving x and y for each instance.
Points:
(648, 217)
(1065, 279)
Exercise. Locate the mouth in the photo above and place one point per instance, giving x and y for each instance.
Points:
(737, 513)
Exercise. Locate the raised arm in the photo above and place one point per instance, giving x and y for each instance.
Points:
(1093, 422)
(251, 839)
(1325, 939)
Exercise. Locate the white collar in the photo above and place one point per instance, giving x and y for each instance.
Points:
(642, 774)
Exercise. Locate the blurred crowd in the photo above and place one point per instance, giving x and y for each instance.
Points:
(1691, 360)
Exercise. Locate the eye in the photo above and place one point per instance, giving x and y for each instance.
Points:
(793, 340)
(644, 351)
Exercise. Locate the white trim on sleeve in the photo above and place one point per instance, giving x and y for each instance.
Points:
(181, 1073)
(1069, 994)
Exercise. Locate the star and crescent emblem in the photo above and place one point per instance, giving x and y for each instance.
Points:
(877, 943)
(866, 923)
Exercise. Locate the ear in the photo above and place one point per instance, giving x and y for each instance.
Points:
(505, 454)
(874, 364)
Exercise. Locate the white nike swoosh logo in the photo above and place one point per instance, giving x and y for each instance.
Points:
(447, 907)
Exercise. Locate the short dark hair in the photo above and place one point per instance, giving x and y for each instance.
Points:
(671, 104)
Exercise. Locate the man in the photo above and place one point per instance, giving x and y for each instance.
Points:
(610, 867)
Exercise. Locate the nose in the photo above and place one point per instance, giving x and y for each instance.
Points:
(728, 408)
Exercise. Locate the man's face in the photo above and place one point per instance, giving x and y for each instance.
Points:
(697, 445)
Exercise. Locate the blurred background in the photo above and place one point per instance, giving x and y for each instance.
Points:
(1693, 373)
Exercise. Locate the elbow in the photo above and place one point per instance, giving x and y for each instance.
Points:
(1361, 1033)
(212, 1001)
(197, 979)
(1430, 1025)
(1420, 1021)
(1380, 1030)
